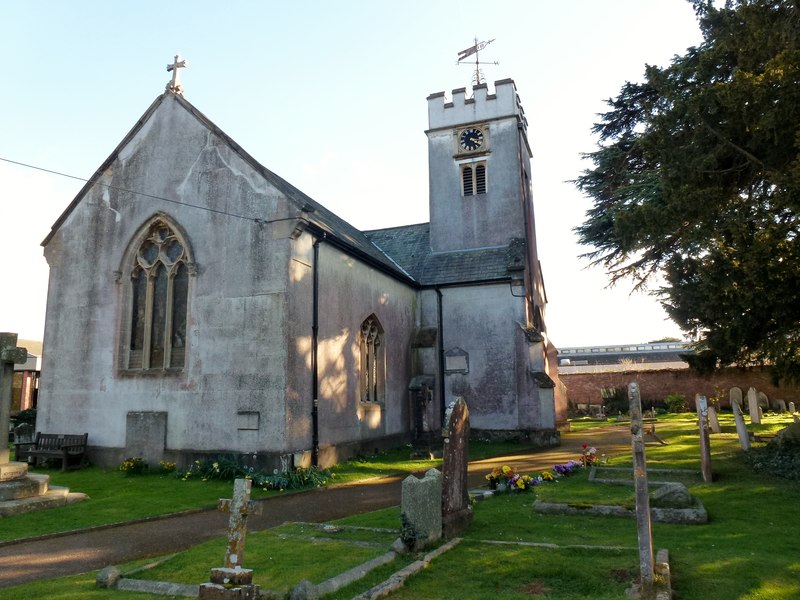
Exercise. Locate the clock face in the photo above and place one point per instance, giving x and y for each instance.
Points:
(471, 138)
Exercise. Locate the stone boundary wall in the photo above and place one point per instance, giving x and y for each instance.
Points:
(655, 385)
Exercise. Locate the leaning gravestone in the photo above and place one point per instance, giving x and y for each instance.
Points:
(643, 525)
(705, 447)
(232, 582)
(791, 408)
(752, 406)
(780, 405)
(738, 417)
(763, 400)
(456, 510)
(421, 510)
(713, 419)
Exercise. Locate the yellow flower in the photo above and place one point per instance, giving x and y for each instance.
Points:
(507, 470)
(521, 483)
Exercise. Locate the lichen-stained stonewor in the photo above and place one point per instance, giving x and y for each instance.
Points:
(231, 580)
(456, 510)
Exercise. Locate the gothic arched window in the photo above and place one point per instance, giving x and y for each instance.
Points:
(373, 361)
(160, 266)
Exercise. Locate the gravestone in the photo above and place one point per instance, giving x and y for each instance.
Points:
(741, 428)
(780, 405)
(456, 510)
(643, 525)
(24, 433)
(752, 406)
(763, 400)
(146, 435)
(231, 581)
(705, 447)
(736, 396)
(713, 420)
(421, 509)
(791, 408)
(671, 494)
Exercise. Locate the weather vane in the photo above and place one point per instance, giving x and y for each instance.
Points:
(477, 78)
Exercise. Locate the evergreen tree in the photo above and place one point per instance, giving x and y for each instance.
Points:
(697, 176)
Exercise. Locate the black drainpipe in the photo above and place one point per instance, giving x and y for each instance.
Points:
(314, 367)
(440, 344)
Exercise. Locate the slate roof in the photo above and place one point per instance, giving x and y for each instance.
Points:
(409, 246)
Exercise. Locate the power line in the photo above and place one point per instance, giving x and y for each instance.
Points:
(146, 195)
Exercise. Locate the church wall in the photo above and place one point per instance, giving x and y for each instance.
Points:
(350, 292)
(482, 321)
(236, 350)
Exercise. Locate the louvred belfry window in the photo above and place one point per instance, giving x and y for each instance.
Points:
(473, 179)
(158, 300)
(466, 178)
(480, 179)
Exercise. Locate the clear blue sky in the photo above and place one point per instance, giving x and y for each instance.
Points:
(331, 96)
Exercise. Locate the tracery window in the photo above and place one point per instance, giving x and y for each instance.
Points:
(373, 361)
(158, 300)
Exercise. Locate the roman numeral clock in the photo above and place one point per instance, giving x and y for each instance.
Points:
(470, 139)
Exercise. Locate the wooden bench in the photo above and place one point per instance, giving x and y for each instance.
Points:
(69, 449)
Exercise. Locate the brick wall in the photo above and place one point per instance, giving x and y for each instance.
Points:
(656, 384)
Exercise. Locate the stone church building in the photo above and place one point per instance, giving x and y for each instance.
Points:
(201, 305)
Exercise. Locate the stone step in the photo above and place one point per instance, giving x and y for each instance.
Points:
(25, 487)
(55, 496)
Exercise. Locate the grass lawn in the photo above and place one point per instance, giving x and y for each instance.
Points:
(748, 550)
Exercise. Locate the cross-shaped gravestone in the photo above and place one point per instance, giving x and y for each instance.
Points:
(239, 507)
(9, 356)
(232, 581)
(175, 85)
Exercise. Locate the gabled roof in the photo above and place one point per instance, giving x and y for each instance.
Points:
(336, 230)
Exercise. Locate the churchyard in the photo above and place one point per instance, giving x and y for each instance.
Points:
(747, 550)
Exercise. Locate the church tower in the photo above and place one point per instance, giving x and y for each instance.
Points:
(479, 177)
(479, 165)
(482, 228)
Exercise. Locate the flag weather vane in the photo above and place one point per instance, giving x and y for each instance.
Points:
(477, 78)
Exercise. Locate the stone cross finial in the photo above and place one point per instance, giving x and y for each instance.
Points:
(175, 86)
(239, 508)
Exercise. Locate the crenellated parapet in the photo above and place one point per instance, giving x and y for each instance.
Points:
(481, 106)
